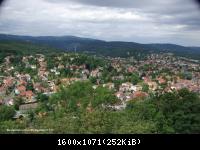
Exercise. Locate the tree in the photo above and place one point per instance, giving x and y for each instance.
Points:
(181, 110)
(145, 87)
(18, 102)
(93, 80)
(135, 78)
(96, 122)
(30, 86)
(6, 112)
(103, 96)
(174, 112)
(42, 97)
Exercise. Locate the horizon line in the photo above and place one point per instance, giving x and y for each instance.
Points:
(99, 39)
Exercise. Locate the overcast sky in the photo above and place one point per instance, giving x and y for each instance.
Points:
(144, 21)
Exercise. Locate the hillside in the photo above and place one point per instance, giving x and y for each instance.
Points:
(22, 47)
(191, 52)
(114, 49)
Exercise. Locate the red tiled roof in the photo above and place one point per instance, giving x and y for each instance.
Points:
(22, 82)
(8, 82)
(146, 79)
(21, 88)
(29, 93)
(140, 94)
(23, 94)
(2, 89)
(161, 80)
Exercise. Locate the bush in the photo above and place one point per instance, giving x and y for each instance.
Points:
(6, 113)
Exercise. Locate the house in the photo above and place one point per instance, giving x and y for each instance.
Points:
(9, 101)
(20, 89)
(161, 80)
(17, 74)
(138, 87)
(38, 87)
(167, 89)
(59, 58)
(74, 67)
(8, 82)
(51, 85)
(74, 79)
(128, 97)
(29, 95)
(146, 79)
(117, 107)
(127, 87)
(139, 94)
(131, 69)
(60, 66)
(46, 74)
(41, 59)
(57, 73)
(71, 58)
(84, 77)
(152, 85)
(120, 95)
(1, 101)
(42, 114)
(24, 59)
(44, 78)
(185, 84)
(65, 81)
(33, 66)
(85, 71)
(95, 73)
(21, 82)
(109, 85)
(83, 66)
(121, 77)
(98, 81)
(7, 59)
(41, 73)
(28, 77)
(2, 90)
(53, 70)
(11, 68)
(195, 88)
(94, 87)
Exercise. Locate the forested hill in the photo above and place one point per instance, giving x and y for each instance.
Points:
(115, 49)
(21, 48)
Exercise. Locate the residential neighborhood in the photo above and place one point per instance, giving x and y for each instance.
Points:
(128, 78)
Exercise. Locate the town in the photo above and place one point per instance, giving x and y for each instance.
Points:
(23, 78)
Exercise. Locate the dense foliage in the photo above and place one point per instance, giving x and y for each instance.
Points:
(78, 109)
(6, 113)
(8, 47)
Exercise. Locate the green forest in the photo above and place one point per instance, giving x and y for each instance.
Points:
(78, 109)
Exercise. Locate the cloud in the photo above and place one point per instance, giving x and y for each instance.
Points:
(143, 21)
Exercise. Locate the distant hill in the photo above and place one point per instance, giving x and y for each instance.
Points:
(115, 49)
(23, 47)
(190, 52)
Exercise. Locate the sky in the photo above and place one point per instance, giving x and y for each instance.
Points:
(143, 21)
